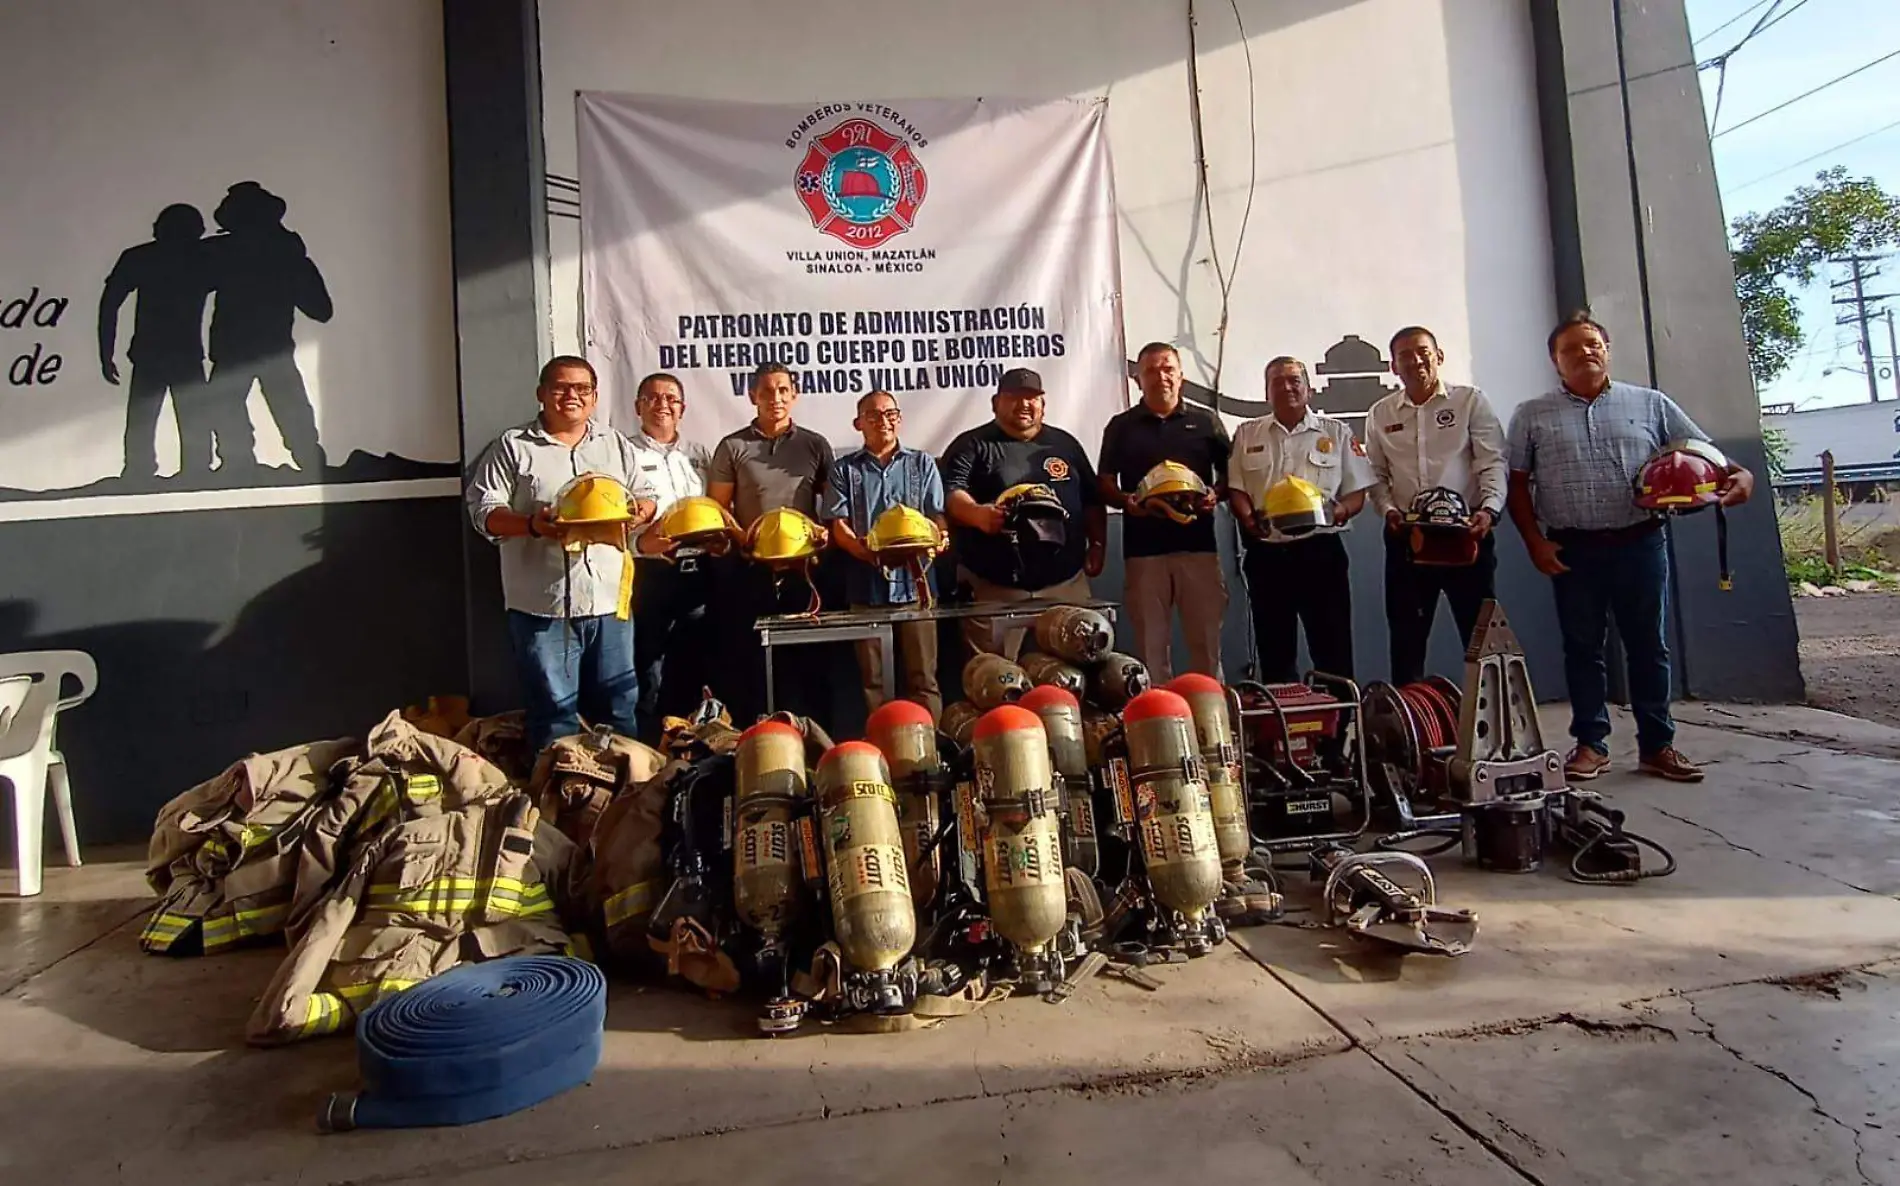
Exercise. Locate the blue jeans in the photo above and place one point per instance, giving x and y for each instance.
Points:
(574, 667)
(1627, 577)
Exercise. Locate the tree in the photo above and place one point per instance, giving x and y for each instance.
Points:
(1776, 255)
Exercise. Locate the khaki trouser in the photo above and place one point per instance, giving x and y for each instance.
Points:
(1155, 587)
(977, 631)
(917, 643)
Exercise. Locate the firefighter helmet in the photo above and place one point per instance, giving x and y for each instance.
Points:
(1440, 509)
(1295, 507)
(784, 537)
(592, 498)
(1682, 476)
(902, 532)
(698, 521)
(1173, 491)
(1035, 523)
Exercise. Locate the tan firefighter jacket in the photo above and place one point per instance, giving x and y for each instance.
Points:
(576, 778)
(503, 740)
(223, 855)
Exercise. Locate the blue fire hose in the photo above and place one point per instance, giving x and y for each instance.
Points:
(479, 1041)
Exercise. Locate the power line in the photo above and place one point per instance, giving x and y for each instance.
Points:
(1805, 94)
(1720, 62)
(1738, 17)
(1799, 5)
(1808, 160)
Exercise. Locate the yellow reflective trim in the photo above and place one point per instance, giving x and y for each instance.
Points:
(636, 899)
(424, 786)
(579, 947)
(323, 1014)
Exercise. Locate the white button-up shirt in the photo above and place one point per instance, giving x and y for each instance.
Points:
(673, 471)
(1320, 450)
(1453, 440)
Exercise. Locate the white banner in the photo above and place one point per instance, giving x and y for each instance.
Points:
(922, 248)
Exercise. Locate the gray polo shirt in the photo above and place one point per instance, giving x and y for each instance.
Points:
(524, 469)
(787, 470)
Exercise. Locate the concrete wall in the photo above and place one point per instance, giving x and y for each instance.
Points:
(252, 606)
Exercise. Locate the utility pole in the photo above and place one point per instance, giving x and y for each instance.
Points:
(1863, 271)
(1893, 353)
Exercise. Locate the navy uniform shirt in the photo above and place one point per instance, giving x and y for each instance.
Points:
(986, 461)
(1136, 441)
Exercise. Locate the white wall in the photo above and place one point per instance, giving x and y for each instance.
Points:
(1399, 176)
(115, 110)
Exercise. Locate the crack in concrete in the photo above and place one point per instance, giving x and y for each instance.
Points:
(1860, 1146)
(1739, 847)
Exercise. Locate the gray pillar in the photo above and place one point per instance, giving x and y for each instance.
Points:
(498, 213)
(1639, 236)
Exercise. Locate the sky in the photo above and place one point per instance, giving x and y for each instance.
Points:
(1810, 42)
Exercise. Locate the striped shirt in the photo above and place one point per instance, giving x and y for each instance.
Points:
(861, 489)
(1583, 455)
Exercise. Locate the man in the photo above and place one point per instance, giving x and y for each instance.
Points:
(574, 652)
(1574, 455)
(671, 590)
(1431, 435)
(770, 463)
(1016, 448)
(864, 484)
(1168, 565)
(1298, 581)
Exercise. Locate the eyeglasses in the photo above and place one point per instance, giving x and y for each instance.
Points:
(664, 401)
(888, 416)
(584, 390)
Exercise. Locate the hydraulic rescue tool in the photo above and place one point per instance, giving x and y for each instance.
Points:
(1302, 748)
(1073, 634)
(1359, 895)
(903, 733)
(1165, 803)
(770, 794)
(1016, 800)
(1062, 722)
(874, 924)
(1469, 765)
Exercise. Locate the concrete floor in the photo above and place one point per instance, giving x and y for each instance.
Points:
(1736, 1023)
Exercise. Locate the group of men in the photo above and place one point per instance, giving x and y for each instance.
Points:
(1563, 470)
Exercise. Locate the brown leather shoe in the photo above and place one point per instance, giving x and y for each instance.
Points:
(1670, 764)
(1585, 763)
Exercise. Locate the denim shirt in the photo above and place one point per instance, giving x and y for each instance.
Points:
(861, 489)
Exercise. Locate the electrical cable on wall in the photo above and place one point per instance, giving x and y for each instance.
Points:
(1224, 276)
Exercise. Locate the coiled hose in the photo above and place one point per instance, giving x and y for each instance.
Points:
(477, 1042)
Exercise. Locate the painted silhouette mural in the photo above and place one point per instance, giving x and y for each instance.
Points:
(219, 304)
(1355, 372)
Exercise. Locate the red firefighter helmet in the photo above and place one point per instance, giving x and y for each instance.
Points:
(1440, 523)
(1684, 477)
(1681, 477)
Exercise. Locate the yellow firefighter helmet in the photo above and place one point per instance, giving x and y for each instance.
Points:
(1031, 493)
(590, 499)
(698, 521)
(1173, 491)
(904, 537)
(1295, 506)
(783, 537)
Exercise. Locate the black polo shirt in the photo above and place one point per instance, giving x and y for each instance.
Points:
(1136, 441)
(986, 461)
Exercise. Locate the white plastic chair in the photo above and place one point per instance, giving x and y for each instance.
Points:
(30, 704)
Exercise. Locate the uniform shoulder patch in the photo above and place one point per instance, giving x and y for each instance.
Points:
(1358, 450)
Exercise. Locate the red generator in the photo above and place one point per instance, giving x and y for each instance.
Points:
(1303, 761)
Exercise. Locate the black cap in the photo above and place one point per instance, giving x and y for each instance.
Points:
(1020, 379)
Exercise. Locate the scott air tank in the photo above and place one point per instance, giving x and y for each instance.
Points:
(958, 720)
(1073, 634)
(904, 733)
(990, 680)
(1022, 850)
(769, 788)
(1047, 669)
(871, 912)
(1213, 727)
(1062, 721)
(1173, 815)
(1116, 679)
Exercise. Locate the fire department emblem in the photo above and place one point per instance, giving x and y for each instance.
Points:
(860, 184)
(1055, 467)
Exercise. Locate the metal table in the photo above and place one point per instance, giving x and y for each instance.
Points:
(854, 625)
